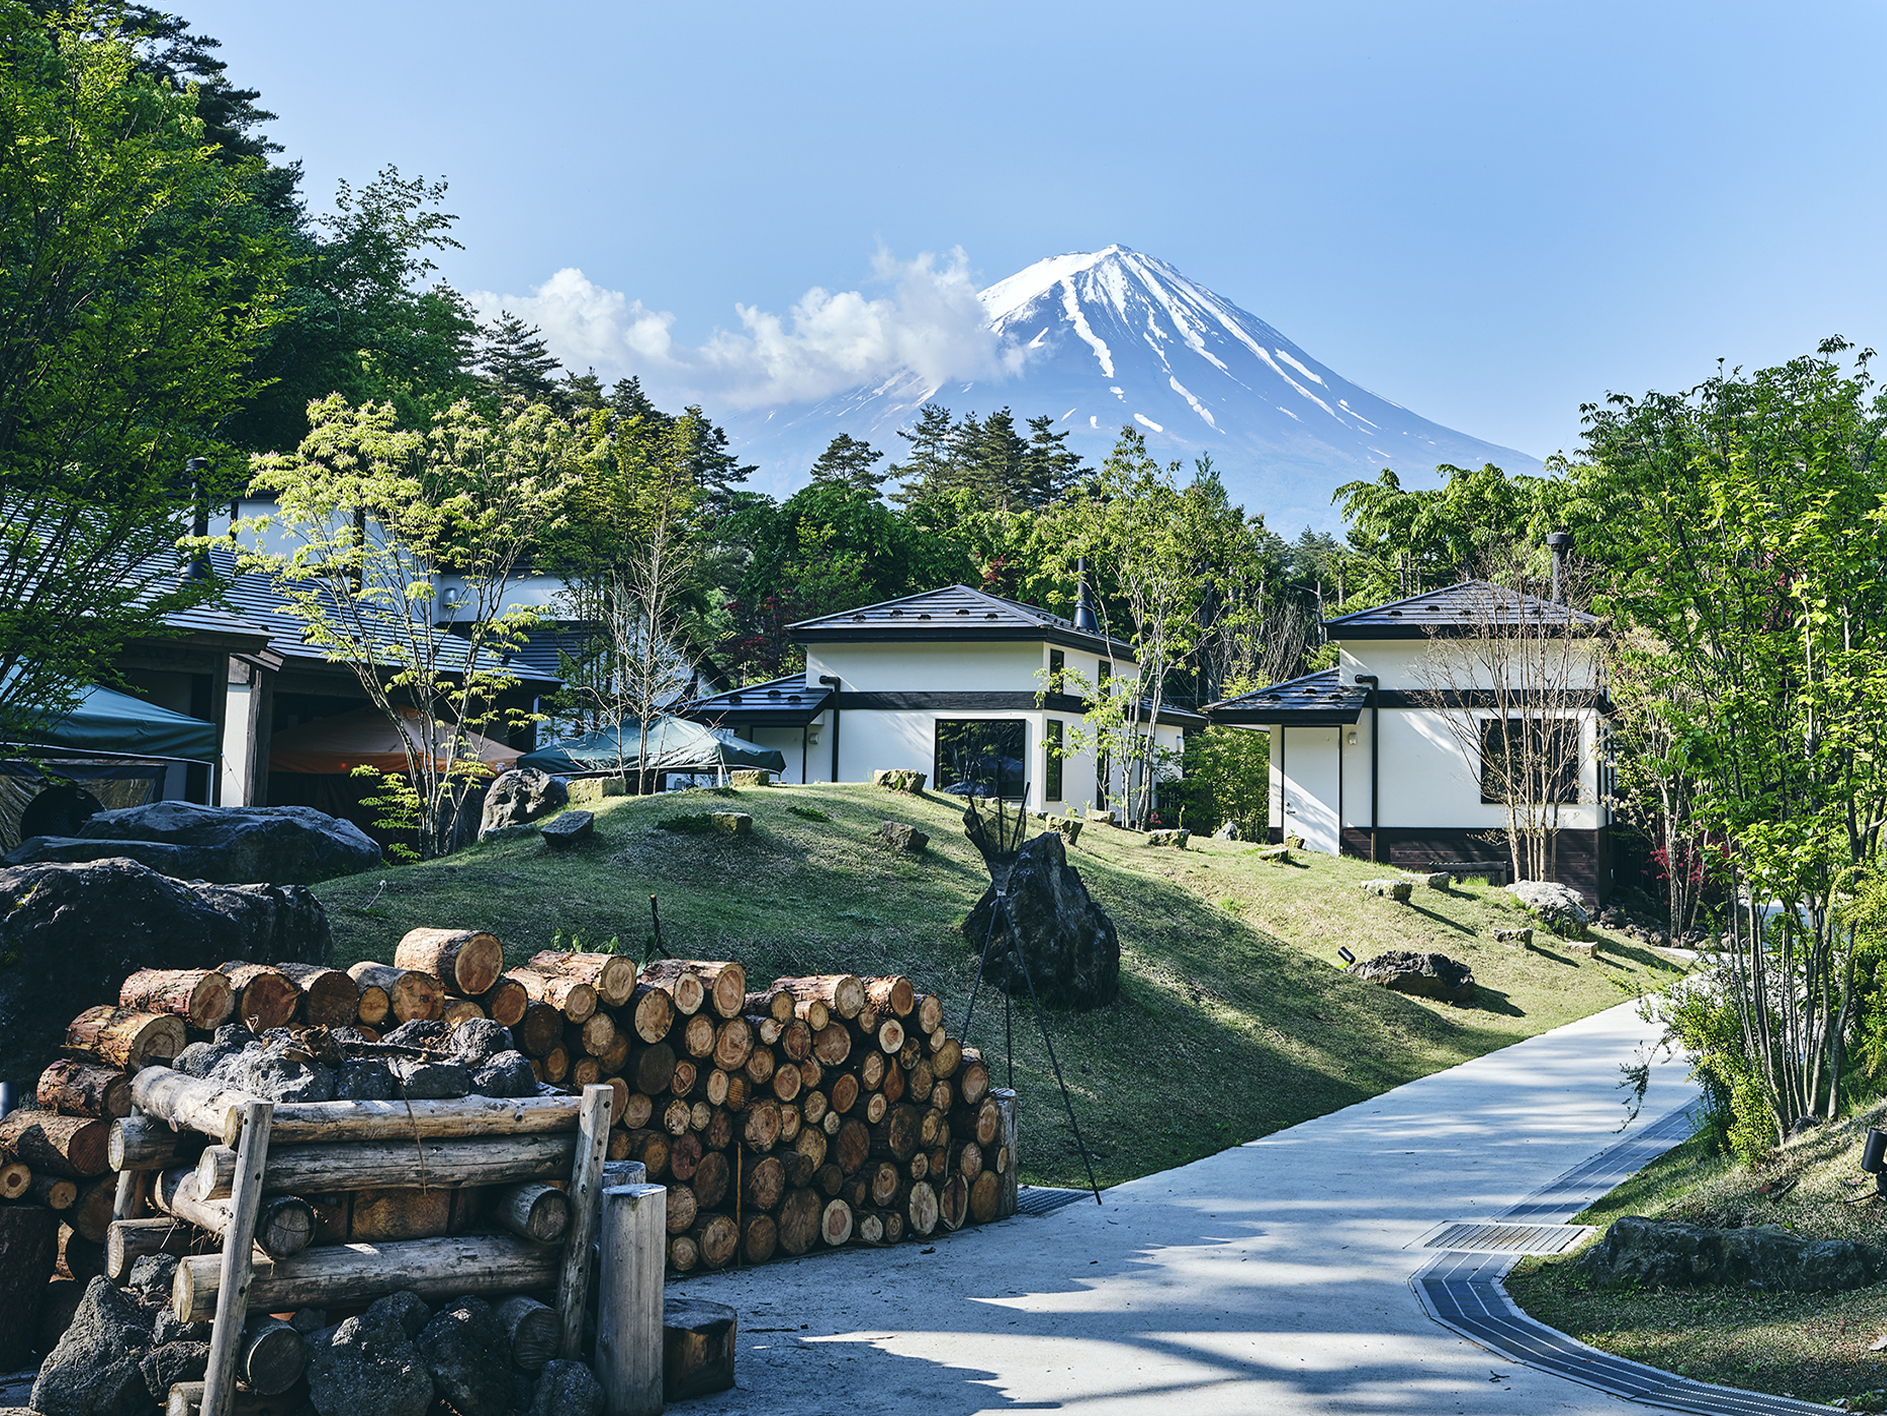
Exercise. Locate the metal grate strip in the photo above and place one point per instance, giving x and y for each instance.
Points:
(1044, 1199)
(1483, 1238)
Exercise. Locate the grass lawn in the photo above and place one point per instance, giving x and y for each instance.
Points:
(1811, 1345)
(1234, 1017)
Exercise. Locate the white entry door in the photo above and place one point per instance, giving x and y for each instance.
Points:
(1311, 783)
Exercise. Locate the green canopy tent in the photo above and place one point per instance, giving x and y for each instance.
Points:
(110, 751)
(675, 746)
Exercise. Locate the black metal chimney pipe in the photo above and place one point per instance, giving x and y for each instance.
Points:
(1084, 603)
(1560, 544)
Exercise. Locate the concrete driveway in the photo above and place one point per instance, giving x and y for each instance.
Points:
(1271, 1278)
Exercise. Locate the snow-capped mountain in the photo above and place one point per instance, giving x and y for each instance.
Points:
(1115, 337)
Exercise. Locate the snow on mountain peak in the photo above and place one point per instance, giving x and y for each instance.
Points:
(1116, 336)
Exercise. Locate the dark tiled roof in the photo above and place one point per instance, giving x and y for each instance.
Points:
(256, 600)
(1466, 608)
(782, 702)
(1321, 699)
(954, 613)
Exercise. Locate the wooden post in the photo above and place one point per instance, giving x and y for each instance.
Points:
(629, 1315)
(1008, 1105)
(585, 1190)
(219, 1382)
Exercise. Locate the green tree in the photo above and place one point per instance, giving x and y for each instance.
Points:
(375, 514)
(140, 284)
(848, 461)
(516, 363)
(1746, 533)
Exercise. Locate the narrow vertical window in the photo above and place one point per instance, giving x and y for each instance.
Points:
(1052, 776)
(1057, 667)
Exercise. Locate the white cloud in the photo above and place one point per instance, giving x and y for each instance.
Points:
(930, 322)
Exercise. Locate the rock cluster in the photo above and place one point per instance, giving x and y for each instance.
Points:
(1176, 839)
(124, 1350)
(1669, 1253)
(1399, 890)
(72, 933)
(475, 1058)
(901, 837)
(283, 845)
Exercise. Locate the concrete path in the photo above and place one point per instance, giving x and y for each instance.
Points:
(1271, 1278)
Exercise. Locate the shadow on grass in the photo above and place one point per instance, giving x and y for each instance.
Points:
(1453, 924)
(1492, 1000)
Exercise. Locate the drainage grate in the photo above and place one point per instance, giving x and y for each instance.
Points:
(1484, 1238)
(1042, 1199)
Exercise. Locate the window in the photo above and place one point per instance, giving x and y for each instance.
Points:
(1052, 776)
(1539, 754)
(982, 757)
(1057, 667)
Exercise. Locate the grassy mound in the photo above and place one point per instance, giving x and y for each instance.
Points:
(1234, 1020)
(1812, 1345)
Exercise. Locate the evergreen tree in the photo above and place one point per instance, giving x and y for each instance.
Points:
(1049, 468)
(849, 461)
(515, 362)
(927, 466)
(584, 392)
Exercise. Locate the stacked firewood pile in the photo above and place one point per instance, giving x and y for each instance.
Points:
(814, 1113)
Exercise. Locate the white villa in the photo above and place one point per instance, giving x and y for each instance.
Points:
(949, 683)
(1370, 758)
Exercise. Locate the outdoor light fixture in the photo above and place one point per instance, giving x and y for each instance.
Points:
(1352, 741)
(1345, 955)
(1874, 1158)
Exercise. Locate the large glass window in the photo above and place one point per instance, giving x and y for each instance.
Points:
(982, 757)
(1051, 777)
(1536, 759)
(1057, 671)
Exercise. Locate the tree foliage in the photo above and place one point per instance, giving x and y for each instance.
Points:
(141, 279)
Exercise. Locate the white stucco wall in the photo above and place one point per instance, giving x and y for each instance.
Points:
(1400, 664)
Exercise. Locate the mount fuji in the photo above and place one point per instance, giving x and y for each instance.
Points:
(1115, 337)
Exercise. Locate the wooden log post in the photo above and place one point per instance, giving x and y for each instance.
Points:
(1008, 1106)
(139, 1143)
(329, 997)
(76, 1147)
(307, 1122)
(75, 1087)
(572, 997)
(29, 1244)
(132, 1239)
(467, 962)
(586, 1177)
(284, 1225)
(629, 1317)
(532, 1330)
(203, 998)
(234, 1275)
(613, 976)
(329, 1276)
(411, 993)
(124, 1037)
(265, 998)
(15, 1177)
(698, 1341)
(504, 1003)
(274, 1356)
(318, 1169)
(843, 995)
(190, 1103)
(534, 1211)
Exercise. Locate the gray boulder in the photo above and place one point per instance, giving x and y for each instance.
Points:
(365, 1079)
(1559, 907)
(568, 829)
(898, 779)
(1668, 1253)
(432, 1081)
(505, 1074)
(1421, 975)
(1398, 890)
(408, 1309)
(901, 837)
(520, 796)
(368, 1366)
(567, 1389)
(1072, 947)
(1228, 832)
(163, 1367)
(94, 1369)
(70, 934)
(282, 845)
(478, 1040)
(469, 1357)
(277, 1070)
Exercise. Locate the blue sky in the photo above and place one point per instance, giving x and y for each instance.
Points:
(1488, 213)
